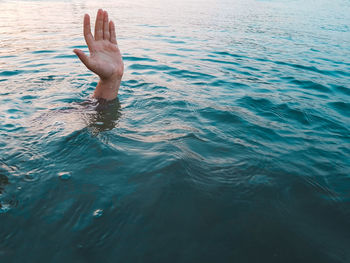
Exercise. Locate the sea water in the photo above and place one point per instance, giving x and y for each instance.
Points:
(229, 142)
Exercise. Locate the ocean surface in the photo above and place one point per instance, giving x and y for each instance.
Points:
(230, 140)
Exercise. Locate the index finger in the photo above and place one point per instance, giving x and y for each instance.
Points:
(87, 31)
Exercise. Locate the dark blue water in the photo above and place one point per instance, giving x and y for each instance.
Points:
(230, 140)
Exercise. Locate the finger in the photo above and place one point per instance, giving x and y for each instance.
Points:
(83, 57)
(99, 25)
(87, 31)
(113, 37)
(105, 26)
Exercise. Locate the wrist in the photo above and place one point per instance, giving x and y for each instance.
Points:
(107, 88)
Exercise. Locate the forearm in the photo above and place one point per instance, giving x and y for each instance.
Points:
(107, 89)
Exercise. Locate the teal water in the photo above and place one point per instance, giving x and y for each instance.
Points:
(230, 140)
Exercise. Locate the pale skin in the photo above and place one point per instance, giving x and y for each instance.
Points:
(105, 59)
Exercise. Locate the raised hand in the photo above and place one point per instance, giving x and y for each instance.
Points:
(105, 59)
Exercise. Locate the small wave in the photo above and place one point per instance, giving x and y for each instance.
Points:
(43, 51)
(226, 53)
(172, 55)
(188, 74)
(344, 90)
(132, 58)
(220, 114)
(307, 84)
(65, 56)
(11, 72)
(342, 107)
(153, 67)
(218, 61)
(313, 69)
(152, 25)
(225, 83)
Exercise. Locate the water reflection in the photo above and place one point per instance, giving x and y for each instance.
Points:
(4, 207)
(3, 182)
(96, 115)
(104, 117)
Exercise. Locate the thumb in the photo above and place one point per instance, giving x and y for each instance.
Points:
(83, 57)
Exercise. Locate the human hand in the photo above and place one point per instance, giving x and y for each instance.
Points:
(105, 59)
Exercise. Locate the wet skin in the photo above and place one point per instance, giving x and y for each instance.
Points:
(105, 58)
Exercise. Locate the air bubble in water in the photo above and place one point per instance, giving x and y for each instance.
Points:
(64, 175)
(4, 207)
(31, 176)
(98, 213)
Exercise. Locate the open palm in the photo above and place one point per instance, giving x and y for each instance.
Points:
(105, 58)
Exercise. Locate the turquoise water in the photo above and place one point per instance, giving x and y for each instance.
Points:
(230, 141)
